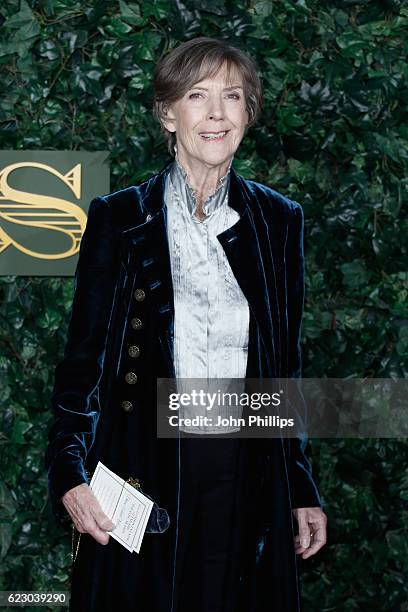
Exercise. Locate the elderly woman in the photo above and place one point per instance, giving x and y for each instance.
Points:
(195, 273)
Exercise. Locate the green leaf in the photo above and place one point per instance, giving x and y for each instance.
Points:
(131, 13)
(354, 274)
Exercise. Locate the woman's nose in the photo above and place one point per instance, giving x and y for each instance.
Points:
(215, 108)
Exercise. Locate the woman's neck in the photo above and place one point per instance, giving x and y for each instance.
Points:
(203, 180)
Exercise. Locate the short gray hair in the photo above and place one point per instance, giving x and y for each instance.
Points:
(195, 60)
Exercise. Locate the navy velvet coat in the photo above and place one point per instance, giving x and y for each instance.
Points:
(99, 416)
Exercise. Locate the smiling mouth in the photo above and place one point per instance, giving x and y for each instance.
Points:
(214, 136)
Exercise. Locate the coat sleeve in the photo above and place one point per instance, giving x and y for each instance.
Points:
(75, 396)
(304, 490)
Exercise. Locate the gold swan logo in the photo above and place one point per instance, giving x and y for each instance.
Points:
(45, 212)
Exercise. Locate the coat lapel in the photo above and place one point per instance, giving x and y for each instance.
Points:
(147, 246)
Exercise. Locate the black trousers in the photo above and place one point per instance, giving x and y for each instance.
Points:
(207, 485)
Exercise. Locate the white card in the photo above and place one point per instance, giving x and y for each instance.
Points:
(127, 507)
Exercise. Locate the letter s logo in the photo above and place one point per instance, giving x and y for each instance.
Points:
(41, 211)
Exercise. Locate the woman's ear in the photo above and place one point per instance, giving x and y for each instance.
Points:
(168, 118)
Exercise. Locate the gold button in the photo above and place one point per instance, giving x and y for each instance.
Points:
(131, 378)
(139, 295)
(127, 406)
(134, 350)
(136, 323)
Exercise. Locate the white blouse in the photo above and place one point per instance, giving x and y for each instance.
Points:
(211, 313)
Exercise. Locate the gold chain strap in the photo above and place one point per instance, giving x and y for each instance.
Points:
(74, 531)
(134, 482)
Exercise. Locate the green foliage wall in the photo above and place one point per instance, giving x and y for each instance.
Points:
(333, 135)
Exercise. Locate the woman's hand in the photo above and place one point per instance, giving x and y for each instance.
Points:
(86, 513)
(312, 531)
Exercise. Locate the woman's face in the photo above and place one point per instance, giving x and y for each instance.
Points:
(212, 106)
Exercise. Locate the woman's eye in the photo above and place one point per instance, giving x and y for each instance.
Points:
(192, 96)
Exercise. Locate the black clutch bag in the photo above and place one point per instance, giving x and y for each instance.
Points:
(159, 520)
